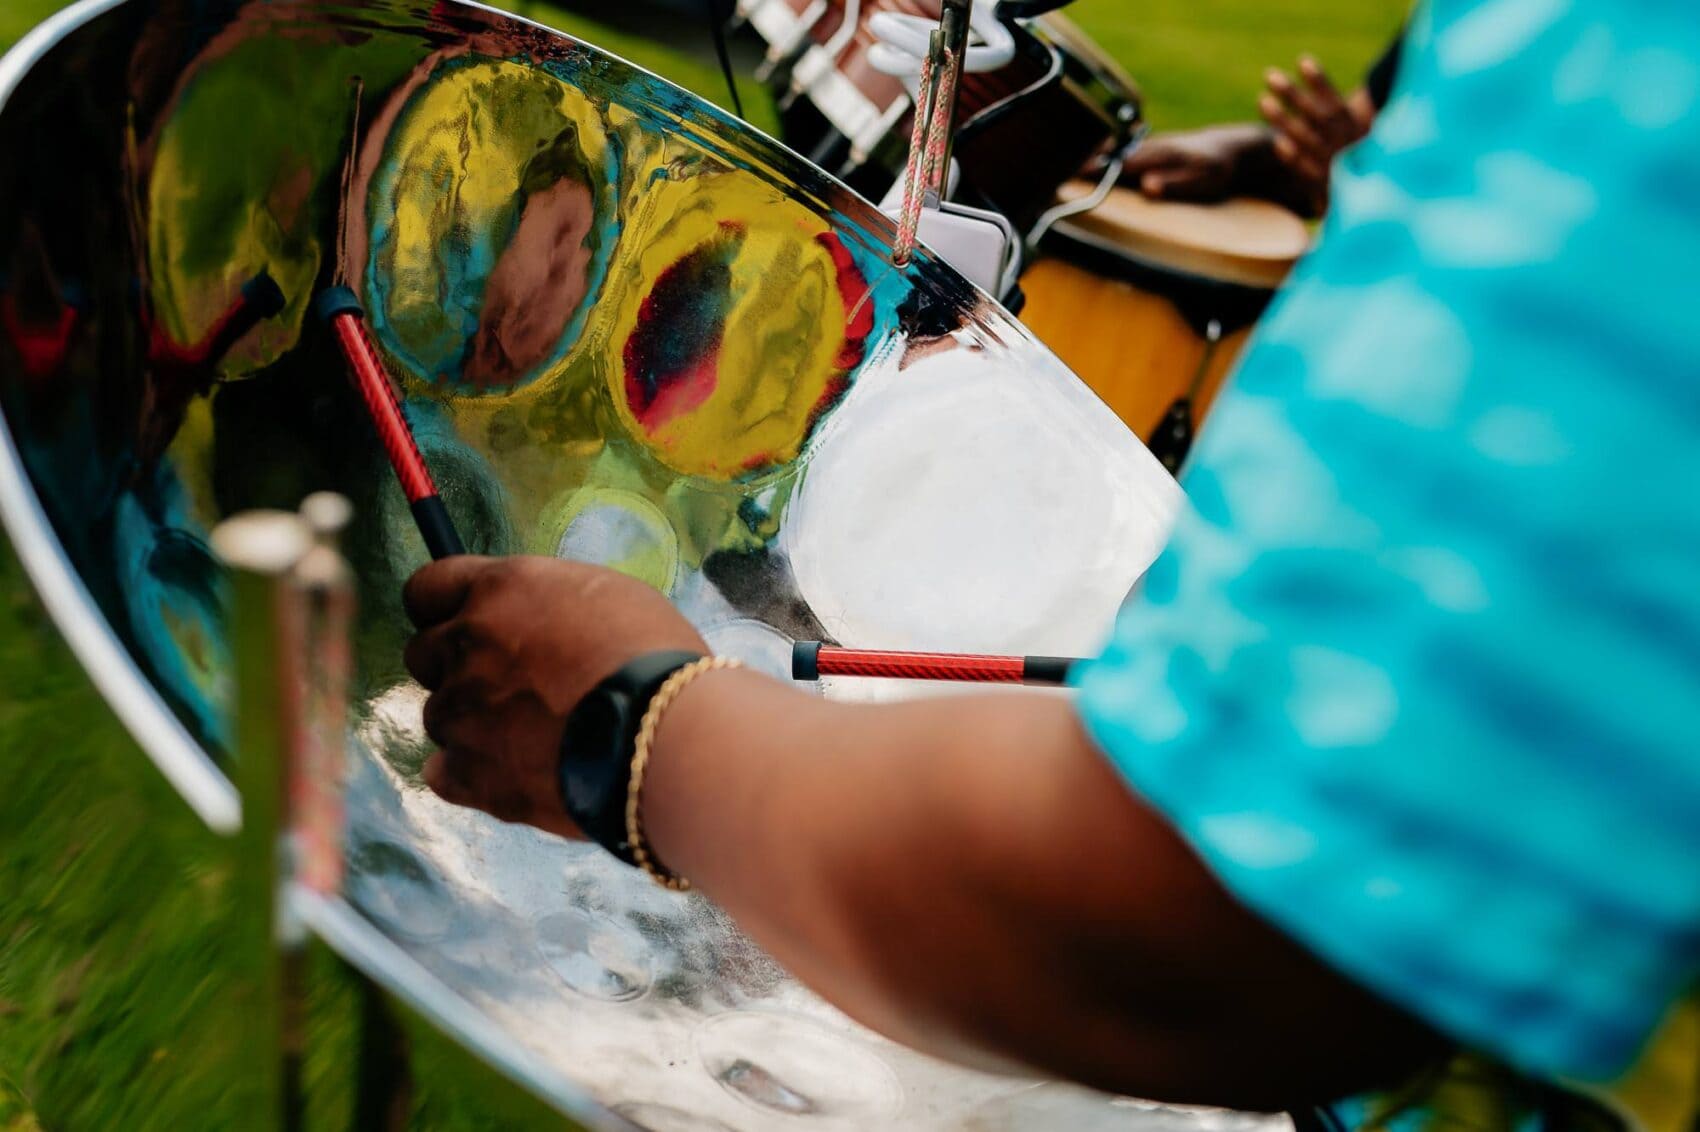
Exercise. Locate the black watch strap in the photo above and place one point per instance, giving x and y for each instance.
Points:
(597, 744)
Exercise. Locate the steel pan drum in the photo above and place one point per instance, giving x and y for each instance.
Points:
(627, 330)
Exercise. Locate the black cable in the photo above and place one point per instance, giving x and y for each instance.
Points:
(717, 28)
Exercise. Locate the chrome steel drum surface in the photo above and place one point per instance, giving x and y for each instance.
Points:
(628, 330)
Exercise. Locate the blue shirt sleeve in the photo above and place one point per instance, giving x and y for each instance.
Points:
(1419, 674)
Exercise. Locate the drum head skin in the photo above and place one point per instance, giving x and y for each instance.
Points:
(1253, 243)
(626, 329)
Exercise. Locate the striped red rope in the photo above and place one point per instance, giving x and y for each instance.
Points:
(927, 143)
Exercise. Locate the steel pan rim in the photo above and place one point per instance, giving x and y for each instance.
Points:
(354, 937)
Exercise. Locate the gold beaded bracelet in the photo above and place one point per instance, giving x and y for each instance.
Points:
(664, 697)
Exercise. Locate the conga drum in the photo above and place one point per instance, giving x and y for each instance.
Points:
(627, 329)
(1151, 301)
(1023, 134)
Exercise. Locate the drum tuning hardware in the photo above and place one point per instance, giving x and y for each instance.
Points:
(1106, 184)
(901, 43)
(1172, 440)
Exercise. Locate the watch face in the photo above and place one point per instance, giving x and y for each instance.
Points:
(597, 747)
(592, 762)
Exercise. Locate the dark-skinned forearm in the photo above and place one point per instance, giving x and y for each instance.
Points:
(969, 875)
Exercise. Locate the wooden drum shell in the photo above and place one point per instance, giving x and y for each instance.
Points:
(1125, 295)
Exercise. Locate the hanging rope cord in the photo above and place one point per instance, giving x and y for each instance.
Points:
(925, 171)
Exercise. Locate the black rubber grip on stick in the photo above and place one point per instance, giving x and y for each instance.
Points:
(333, 301)
(1046, 669)
(438, 530)
(805, 660)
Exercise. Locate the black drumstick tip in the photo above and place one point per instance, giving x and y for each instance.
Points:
(805, 660)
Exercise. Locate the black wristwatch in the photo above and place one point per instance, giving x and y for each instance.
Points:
(595, 767)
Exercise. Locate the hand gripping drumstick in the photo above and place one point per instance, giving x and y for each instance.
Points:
(338, 307)
(810, 660)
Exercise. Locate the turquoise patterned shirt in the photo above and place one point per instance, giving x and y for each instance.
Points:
(1419, 675)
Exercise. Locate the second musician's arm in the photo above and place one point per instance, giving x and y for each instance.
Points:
(981, 884)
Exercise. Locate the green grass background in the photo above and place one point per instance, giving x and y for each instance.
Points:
(1197, 61)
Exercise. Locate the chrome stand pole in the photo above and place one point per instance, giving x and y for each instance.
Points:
(292, 612)
(267, 626)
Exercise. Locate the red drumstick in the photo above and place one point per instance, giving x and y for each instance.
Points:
(810, 660)
(339, 307)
